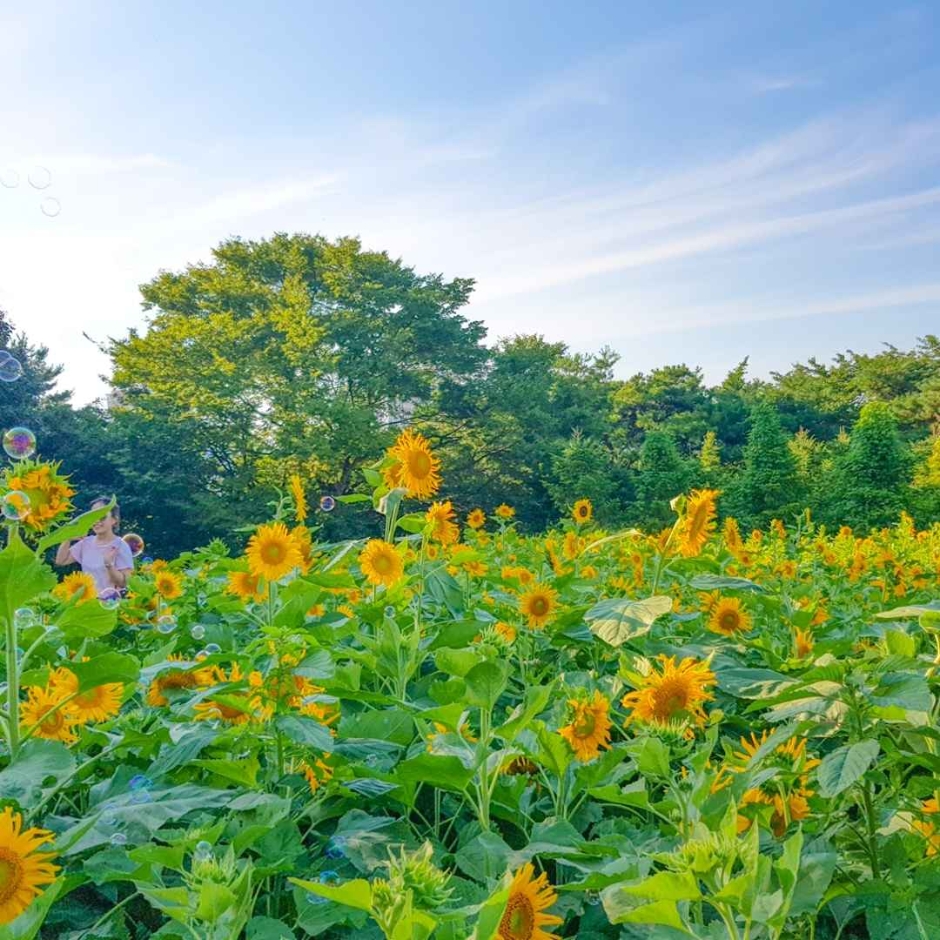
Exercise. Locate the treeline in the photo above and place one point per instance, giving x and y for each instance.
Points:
(301, 355)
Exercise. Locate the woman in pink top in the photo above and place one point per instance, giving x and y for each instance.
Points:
(103, 555)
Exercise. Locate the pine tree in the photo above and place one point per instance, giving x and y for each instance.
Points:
(662, 474)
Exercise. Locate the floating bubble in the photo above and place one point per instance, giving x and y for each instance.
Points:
(39, 177)
(390, 612)
(166, 624)
(50, 207)
(118, 839)
(202, 654)
(9, 178)
(198, 631)
(24, 617)
(141, 796)
(140, 782)
(203, 850)
(212, 648)
(327, 503)
(10, 369)
(146, 560)
(315, 899)
(109, 819)
(135, 543)
(336, 848)
(330, 877)
(110, 598)
(19, 443)
(15, 506)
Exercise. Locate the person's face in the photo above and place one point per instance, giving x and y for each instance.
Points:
(105, 525)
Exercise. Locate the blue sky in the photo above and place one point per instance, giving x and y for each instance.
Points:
(680, 183)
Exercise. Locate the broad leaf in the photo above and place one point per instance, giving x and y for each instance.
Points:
(840, 769)
(620, 619)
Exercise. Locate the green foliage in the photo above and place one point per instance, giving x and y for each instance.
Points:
(661, 476)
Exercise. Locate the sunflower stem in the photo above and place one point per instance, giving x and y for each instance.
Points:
(13, 686)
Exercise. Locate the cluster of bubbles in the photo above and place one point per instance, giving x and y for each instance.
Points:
(19, 443)
(135, 543)
(15, 506)
(39, 178)
(10, 367)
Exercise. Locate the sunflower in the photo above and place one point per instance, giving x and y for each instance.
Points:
(732, 536)
(97, 704)
(233, 710)
(381, 563)
(505, 630)
(589, 728)
(168, 584)
(272, 552)
(318, 773)
(671, 692)
(538, 604)
(176, 680)
(927, 828)
(803, 642)
(246, 586)
(728, 617)
(523, 918)
(502, 511)
(440, 519)
(48, 491)
(22, 868)
(302, 536)
(572, 546)
(476, 518)
(79, 586)
(582, 511)
(41, 711)
(414, 467)
(698, 522)
(300, 498)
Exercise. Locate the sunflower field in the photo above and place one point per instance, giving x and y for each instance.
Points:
(453, 730)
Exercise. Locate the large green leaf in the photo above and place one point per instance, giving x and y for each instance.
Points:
(620, 619)
(109, 667)
(76, 529)
(485, 683)
(719, 582)
(306, 731)
(39, 767)
(446, 772)
(22, 576)
(88, 619)
(840, 769)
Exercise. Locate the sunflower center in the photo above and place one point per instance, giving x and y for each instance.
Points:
(419, 464)
(273, 553)
(518, 921)
(11, 874)
(539, 606)
(585, 724)
(671, 697)
(729, 621)
(382, 564)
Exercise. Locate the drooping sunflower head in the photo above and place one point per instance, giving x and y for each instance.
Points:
(440, 519)
(588, 729)
(168, 584)
(246, 586)
(728, 617)
(24, 866)
(698, 522)
(272, 552)
(381, 563)
(299, 496)
(78, 587)
(732, 535)
(414, 466)
(529, 897)
(672, 692)
(476, 518)
(582, 511)
(538, 604)
(47, 490)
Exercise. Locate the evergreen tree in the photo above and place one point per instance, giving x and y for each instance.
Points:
(662, 474)
(585, 468)
(769, 485)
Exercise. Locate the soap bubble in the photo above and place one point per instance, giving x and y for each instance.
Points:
(135, 543)
(39, 177)
(24, 617)
(146, 560)
(141, 796)
(110, 598)
(336, 848)
(166, 624)
(198, 631)
(212, 648)
(390, 612)
(19, 443)
(327, 503)
(10, 369)
(202, 654)
(15, 506)
(315, 899)
(203, 850)
(50, 207)
(9, 178)
(140, 782)
(330, 877)
(119, 839)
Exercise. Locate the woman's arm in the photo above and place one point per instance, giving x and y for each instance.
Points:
(117, 576)
(63, 555)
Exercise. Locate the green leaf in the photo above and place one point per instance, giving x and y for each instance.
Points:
(356, 893)
(620, 619)
(485, 683)
(306, 731)
(554, 752)
(391, 724)
(659, 912)
(484, 858)
(78, 621)
(456, 662)
(267, 928)
(22, 576)
(913, 610)
(666, 886)
(413, 522)
(491, 913)
(900, 644)
(39, 767)
(109, 667)
(444, 771)
(717, 582)
(840, 769)
(534, 701)
(76, 529)
(752, 683)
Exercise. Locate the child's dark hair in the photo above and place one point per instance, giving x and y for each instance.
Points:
(115, 509)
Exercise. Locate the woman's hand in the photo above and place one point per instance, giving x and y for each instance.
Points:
(117, 578)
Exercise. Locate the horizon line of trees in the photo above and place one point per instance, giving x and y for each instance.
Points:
(297, 354)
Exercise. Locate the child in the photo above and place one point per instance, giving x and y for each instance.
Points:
(103, 555)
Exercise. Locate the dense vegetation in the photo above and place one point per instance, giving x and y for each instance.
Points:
(299, 355)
